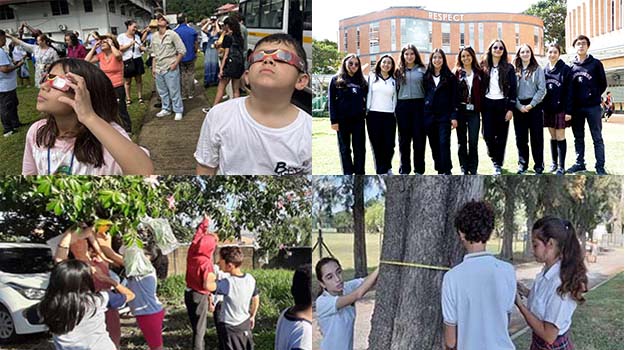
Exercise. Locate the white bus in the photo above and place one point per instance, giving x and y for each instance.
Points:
(265, 17)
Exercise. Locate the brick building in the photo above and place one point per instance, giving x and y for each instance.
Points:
(602, 22)
(385, 32)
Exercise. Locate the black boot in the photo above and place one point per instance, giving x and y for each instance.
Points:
(561, 155)
(554, 156)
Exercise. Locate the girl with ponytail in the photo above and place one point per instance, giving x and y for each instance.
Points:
(558, 288)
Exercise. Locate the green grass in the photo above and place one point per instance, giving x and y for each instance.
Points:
(12, 148)
(273, 285)
(326, 153)
(597, 324)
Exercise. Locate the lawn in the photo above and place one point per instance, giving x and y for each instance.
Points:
(597, 324)
(12, 148)
(326, 153)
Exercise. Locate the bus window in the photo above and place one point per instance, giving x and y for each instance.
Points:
(307, 14)
(272, 13)
(251, 12)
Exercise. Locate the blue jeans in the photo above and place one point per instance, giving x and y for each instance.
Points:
(168, 86)
(593, 115)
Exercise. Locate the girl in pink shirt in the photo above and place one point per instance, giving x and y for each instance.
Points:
(110, 59)
(80, 134)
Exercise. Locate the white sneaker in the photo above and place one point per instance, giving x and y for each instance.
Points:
(190, 97)
(178, 116)
(163, 113)
(8, 133)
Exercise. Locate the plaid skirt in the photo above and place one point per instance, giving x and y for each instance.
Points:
(562, 342)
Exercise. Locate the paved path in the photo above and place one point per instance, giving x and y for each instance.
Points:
(608, 264)
(172, 143)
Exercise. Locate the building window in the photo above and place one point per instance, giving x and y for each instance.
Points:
(499, 30)
(536, 40)
(112, 6)
(393, 36)
(88, 5)
(345, 40)
(358, 39)
(613, 16)
(480, 28)
(472, 34)
(122, 10)
(59, 7)
(6, 12)
(462, 34)
(417, 32)
(605, 16)
(372, 64)
(374, 37)
(271, 14)
(445, 29)
(114, 30)
(517, 36)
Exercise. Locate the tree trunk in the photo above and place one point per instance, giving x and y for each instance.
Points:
(530, 212)
(360, 244)
(418, 228)
(508, 227)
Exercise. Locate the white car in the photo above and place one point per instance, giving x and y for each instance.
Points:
(24, 275)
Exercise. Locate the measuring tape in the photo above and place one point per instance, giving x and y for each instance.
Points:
(422, 266)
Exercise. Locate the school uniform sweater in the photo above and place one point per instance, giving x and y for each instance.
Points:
(441, 100)
(532, 87)
(477, 89)
(588, 82)
(347, 103)
(556, 81)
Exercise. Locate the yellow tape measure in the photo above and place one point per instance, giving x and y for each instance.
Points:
(422, 266)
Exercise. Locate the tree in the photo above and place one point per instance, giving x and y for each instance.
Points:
(374, 217)
(271, 207)
(327, 57)
(418, 228)
(197, 9)
(553, 14)
(360, 244)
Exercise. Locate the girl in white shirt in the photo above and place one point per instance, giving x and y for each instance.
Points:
(558, 288)
(381, 102)
(335, 308)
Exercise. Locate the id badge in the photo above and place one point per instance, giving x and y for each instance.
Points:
(470, 107)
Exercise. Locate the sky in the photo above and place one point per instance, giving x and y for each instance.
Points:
(327, 13)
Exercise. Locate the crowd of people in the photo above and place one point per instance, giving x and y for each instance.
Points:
(487, 282)
(94, 277)
(425, 101)
(86, 86)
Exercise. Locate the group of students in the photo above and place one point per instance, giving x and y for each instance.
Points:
(81, 132)
(479, 294)
(81, 302)
(425, 102)
(80, 305)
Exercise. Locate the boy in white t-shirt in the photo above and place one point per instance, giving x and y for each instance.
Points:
(294, 327)
(263, 133)
(478, 294)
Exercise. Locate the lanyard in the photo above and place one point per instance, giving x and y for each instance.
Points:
(71, 163)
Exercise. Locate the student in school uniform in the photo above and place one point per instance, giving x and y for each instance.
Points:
(528, 114)
(556, 79)
(347, 104)
(499, 102)
(409, 109)
(558, 288)
(335, 308)
(440, 110)
(381, 102)
(478, 294)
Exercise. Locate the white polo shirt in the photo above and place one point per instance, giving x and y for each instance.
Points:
(545, 302)
(477, 297)
(337, 325)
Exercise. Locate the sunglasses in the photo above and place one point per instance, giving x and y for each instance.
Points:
(498, 48)
(278, 55)
(353, 64)
(57, 82)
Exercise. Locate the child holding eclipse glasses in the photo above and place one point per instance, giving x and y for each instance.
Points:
(80, 134)
(263, 133)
